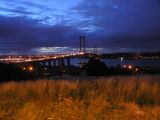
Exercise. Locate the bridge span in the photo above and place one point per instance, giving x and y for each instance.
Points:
(36, 58)
(51, 60)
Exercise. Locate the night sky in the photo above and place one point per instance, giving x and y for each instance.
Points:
(51, 26)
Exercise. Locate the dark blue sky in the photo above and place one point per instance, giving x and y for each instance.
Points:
(50, 26)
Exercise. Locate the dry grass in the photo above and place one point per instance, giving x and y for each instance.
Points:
(113, 98)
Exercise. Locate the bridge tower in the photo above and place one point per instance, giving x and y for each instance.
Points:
(82, 49)
(95, 50)
(82, 44)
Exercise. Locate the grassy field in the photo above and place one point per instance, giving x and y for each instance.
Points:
(112, 98)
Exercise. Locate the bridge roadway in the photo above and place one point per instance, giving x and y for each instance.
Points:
(21, 59)
(50, 60)
(46, 65)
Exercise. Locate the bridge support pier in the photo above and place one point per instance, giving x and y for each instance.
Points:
(68, 62)
(54, 63)
(62, 62)
(44, 63)
(49, 63)
(59, 62)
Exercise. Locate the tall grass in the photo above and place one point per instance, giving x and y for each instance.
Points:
(113, 98)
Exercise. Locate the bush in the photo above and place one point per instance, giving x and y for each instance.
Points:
(95, 67)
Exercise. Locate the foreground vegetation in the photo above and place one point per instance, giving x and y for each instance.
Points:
(113, 98)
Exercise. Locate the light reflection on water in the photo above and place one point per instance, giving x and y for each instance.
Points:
(115, 62)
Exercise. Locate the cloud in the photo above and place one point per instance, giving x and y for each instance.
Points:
(16, 11)
(22, 34)
(35, 5)
(120, 16)
(119, 25)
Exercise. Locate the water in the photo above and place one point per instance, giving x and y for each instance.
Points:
(115, 62)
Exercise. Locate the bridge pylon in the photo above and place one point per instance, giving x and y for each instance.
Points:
(83, 50)
(82, 44)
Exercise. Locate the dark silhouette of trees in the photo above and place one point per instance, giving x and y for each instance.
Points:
(11, 72)
(95, 67)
